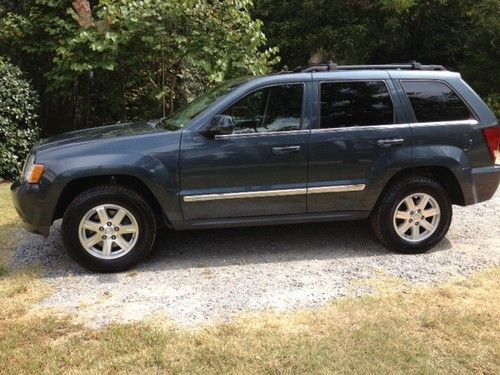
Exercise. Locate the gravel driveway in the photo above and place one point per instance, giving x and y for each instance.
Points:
(207, 276)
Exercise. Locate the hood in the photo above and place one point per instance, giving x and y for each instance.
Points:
(99, 133)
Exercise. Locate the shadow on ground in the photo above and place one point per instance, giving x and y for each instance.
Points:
(221, 247)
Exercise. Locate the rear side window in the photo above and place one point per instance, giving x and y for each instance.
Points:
(435, 101)
(357, 103)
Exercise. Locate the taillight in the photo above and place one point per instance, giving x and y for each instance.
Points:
(492, 137)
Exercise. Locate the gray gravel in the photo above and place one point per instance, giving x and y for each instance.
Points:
(208, 276)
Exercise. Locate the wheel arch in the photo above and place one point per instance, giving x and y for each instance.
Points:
(443, 175)
(76, 186)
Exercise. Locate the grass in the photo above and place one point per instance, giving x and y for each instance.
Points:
(9, 224)
(452, 328)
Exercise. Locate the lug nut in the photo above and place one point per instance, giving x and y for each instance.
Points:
(113, 237)
(411, 212)
(417, 223)
(423, 217)
(101, 229)
(419, 211)
(117, 229)
(109, 223)
(411, 220)
(103, 237)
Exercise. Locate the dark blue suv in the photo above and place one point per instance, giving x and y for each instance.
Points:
(398, 144)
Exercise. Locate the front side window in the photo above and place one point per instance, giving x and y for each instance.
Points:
(435, 101)
(276, 108)
(185, 115)
(357, 103)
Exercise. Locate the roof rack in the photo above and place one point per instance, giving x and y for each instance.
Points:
(331, 66)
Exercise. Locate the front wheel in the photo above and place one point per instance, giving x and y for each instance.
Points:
(108, 229)
(413, 215)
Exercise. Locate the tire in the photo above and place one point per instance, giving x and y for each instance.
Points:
(389, 225)
(128, 240)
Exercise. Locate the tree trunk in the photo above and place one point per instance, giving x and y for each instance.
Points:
(82, 9)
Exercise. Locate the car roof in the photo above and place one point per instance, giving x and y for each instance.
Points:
(331, 71)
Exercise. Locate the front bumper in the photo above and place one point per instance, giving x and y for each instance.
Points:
(485, 181)
(35, 215)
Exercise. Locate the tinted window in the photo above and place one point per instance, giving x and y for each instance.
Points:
(355, 104)
(276, 108)
(435, 101)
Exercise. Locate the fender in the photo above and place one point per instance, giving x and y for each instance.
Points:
(453, 158)
(162, 184)
(388, 166)
(152, 159)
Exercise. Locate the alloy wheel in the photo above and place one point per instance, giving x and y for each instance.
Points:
(416, 217)
(108, 231)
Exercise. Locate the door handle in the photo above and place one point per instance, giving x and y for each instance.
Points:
(286, 150)
(385, 143)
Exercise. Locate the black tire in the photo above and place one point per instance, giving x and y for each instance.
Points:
(382, 216)
(109, 194)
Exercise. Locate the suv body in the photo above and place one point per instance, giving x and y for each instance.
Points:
(326, 143)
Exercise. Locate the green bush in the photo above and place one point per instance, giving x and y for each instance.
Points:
(99, 62)
(18, 130)
(493, 102)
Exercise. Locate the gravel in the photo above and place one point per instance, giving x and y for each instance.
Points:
(198, 277)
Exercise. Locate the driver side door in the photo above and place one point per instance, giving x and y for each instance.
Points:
(258, 170)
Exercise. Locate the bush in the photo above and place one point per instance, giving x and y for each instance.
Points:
(100, 62)
(493, 102)
(18, 130)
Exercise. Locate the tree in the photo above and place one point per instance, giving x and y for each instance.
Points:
(460, 34)
(110, 60)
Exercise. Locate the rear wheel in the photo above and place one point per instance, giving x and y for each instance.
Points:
(108, 229)
(413, 215)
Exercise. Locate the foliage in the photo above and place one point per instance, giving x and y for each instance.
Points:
(102, 61)
(460, 34)
(493, 102)
(131, 59)
(18, 131)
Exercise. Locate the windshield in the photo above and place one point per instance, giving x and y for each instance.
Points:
(183, 116)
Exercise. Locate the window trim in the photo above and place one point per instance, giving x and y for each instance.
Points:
(471, 110)
(274, 133)
(356, 80)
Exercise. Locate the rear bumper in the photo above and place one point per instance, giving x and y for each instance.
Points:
(32, 210)
(485, 181)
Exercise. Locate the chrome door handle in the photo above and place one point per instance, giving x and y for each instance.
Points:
(286, 150)
(385, 143)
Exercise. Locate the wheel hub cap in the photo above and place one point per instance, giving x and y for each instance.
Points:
(108, 231)
(416, 217)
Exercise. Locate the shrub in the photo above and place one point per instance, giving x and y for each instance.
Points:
(493, 102)
(18, 130)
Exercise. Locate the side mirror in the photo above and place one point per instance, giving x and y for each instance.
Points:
(221, 125)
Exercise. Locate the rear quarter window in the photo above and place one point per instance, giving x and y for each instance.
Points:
(434, 101)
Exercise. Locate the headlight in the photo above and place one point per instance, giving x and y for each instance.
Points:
(32, 172)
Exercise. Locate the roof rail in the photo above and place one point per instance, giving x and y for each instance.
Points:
(330, 66)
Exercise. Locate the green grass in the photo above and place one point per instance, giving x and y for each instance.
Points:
(448, 329)
(9, 226)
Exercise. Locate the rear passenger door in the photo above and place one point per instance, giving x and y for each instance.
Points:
(358, 141)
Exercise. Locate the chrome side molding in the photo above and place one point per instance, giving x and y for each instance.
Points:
(336, 189)
(274, 193)
(246, 194)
